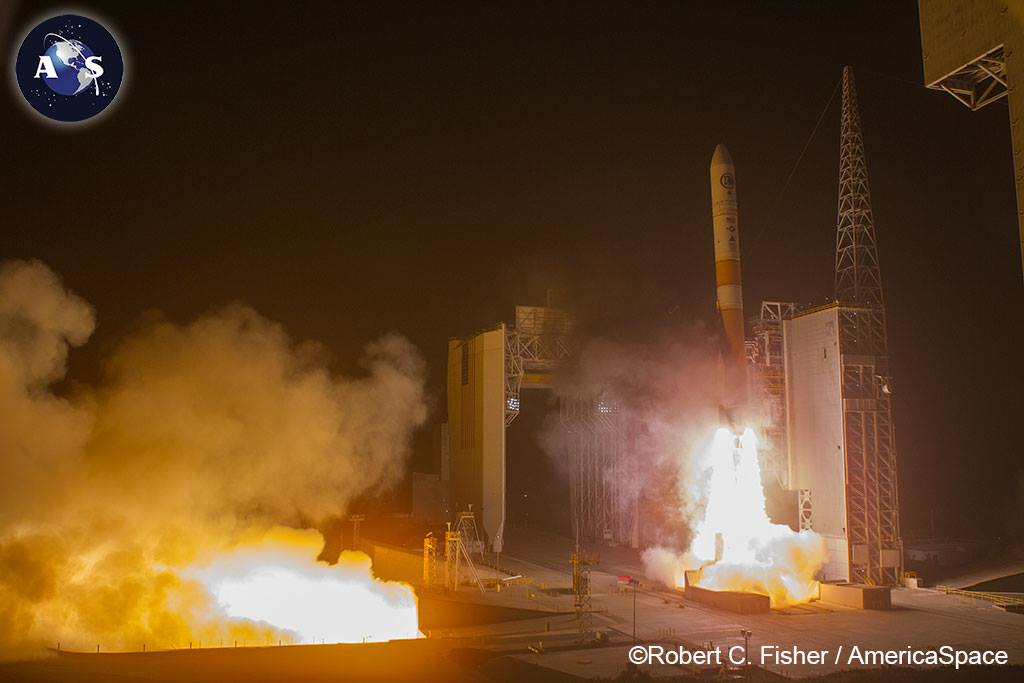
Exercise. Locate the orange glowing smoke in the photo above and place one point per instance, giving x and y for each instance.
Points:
(277, 581)
(736, 545)
(117, 496)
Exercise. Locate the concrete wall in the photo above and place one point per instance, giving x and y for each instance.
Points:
(954, 32)
(733, 601)
(815, 424)
(856, 596)
(396, 564)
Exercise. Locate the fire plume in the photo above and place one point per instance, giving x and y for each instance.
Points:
(277, 582)
(735, 545)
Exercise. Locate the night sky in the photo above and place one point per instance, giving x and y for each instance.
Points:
(350, 170)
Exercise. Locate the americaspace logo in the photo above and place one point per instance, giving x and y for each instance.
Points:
(69, 68)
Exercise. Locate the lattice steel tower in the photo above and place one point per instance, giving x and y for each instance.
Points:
(872, 504)
(858, 280)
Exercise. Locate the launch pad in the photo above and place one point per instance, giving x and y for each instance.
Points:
(212, 495)
(530, 633)
(816, 380)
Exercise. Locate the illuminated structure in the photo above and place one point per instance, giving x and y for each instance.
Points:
(974, 51)
(456, 555)
(582, 603)
(429, 560)
(476, 427)
(825, 389)
(767, 375)
(820, 375)
(486, 375)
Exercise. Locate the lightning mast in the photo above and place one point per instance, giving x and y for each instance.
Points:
(872, 506)
(858, 279)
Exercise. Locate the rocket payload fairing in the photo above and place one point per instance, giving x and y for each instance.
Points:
(725, 215)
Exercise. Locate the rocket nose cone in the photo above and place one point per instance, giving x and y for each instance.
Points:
(721, 156)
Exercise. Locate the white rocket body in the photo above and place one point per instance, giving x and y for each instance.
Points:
(725, 215)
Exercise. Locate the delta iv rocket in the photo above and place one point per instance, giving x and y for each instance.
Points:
(727, 269)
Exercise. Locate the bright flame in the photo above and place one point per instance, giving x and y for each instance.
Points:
(276, 580)
(735, 509)
(736, 545)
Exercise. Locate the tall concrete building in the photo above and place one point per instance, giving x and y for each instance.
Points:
(842, 454)
(476, 428)
(486, 375)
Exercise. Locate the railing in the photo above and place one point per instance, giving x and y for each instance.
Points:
(1001, 599)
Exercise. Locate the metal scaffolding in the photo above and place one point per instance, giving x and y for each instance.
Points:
(806, 510)
(980, 82)
(581, 561)
(456, 555)
(535, 346)
(601, 507)
(465, 525)
(872, 503)
(858, 278)
(430, 560)
(765, 355)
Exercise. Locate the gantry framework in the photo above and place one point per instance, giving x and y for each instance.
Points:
(973, 50)
(979, 82)
(858, 278)
(537, 345)
(767, 375)
(601, 505)
(872, 503)
(581, 561)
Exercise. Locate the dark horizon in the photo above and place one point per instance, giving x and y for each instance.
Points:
(350, 171)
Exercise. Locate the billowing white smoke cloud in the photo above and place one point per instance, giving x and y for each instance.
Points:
(197, 434)
(666, 565)
(240, 421)
(41, 435)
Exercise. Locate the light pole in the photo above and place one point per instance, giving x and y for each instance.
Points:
(746, 646)
(635, 583)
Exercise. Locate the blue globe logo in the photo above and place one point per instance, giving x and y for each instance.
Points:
(69, 68)
(68, 58)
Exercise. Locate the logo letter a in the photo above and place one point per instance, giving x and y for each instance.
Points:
(45, 67)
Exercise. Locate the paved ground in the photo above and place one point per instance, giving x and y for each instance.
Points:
(549, 637)
(965, 579)
(921, 619)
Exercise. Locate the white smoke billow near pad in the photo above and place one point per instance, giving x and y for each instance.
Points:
(735, 544)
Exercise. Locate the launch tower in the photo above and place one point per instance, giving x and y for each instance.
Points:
(835, 423)
(872, 505)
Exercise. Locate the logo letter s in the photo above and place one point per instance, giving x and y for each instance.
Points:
(91, 63)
